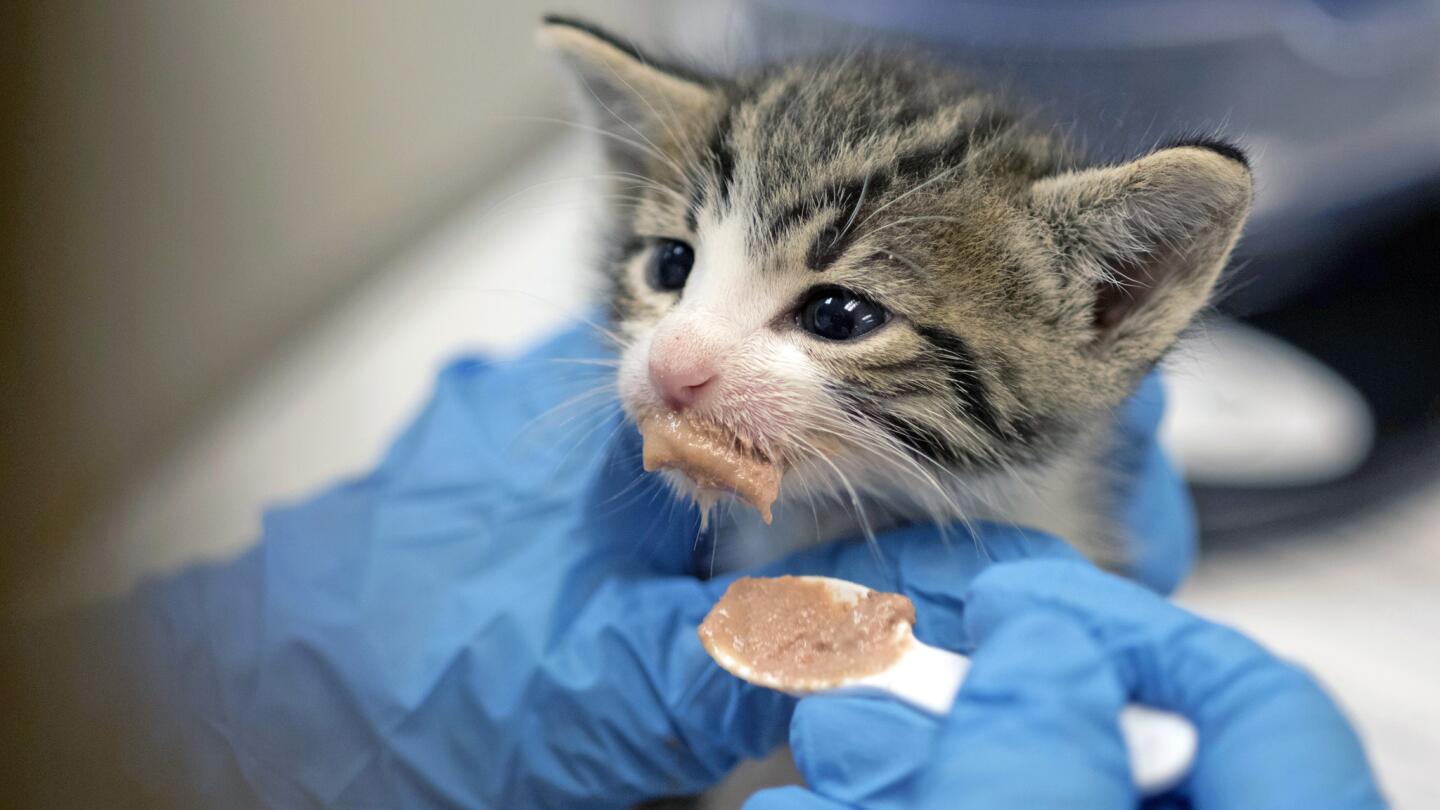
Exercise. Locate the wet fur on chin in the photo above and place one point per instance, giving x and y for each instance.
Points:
(1028, 290)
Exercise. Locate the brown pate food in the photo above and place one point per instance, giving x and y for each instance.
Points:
(795, 630)
(710, 458)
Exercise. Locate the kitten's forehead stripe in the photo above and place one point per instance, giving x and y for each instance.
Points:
(799, 126)
(722, 156)
(851, 201)
(845, 195)
(926, 162)
(716, 164)
(830, 244)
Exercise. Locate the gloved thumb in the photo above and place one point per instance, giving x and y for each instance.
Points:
(1040, 697)
(1269, 735)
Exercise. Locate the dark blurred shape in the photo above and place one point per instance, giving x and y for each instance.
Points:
(1374, 317)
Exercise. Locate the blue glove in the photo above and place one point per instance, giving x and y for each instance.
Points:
(1062, 649)
(502, 613)
(1154, 505)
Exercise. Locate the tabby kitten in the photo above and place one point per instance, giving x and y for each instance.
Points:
(868, 270)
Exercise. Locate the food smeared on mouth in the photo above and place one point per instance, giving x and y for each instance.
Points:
(712, 459)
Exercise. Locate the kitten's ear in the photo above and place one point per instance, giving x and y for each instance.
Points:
(1150, 237)
(635, 100)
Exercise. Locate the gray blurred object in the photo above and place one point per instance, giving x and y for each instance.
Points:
(1338, 102)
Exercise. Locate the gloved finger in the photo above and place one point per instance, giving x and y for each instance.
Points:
(640, 631)
(933, 567)
(1041, 697)
(791, 797)
(1153, 508)
(861, 750)
(685, 722)
(1269, 735)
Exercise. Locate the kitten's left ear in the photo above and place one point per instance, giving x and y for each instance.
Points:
(1149, 237)
(635, 99)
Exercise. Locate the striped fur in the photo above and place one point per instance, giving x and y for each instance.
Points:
(1029, 292)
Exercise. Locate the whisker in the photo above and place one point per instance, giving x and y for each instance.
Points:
(912, 190)
(664, 122)
(859, 508)
(864, 188)
(654, 150)
(645, 147)
(910, 220)
(586, 361)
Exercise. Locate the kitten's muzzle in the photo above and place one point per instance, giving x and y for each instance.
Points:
(685, 356)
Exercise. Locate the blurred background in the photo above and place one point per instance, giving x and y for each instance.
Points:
(240, 238)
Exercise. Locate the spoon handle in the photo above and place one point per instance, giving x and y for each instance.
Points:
(1162, 744)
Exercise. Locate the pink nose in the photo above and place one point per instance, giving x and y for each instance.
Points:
(681, 382)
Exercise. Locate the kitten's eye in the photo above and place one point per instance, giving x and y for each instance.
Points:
(836, 314)
(670, 265)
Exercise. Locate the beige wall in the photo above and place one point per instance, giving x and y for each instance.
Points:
(189, 183)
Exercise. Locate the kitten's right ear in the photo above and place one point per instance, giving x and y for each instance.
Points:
(1149, 238)
(634, 99)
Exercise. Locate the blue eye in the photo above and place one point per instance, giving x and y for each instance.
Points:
(670, 265)
(836, 314)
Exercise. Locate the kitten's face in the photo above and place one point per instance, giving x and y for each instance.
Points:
(818, 274)
(866, 270)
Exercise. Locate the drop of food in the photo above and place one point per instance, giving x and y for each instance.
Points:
(798, 634)
(711, 459)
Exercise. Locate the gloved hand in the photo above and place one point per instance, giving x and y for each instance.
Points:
(1062, 648)
(502, 614)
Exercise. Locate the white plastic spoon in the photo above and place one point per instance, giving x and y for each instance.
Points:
(1162, 744)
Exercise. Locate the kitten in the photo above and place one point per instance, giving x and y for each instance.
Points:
(869, 270)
